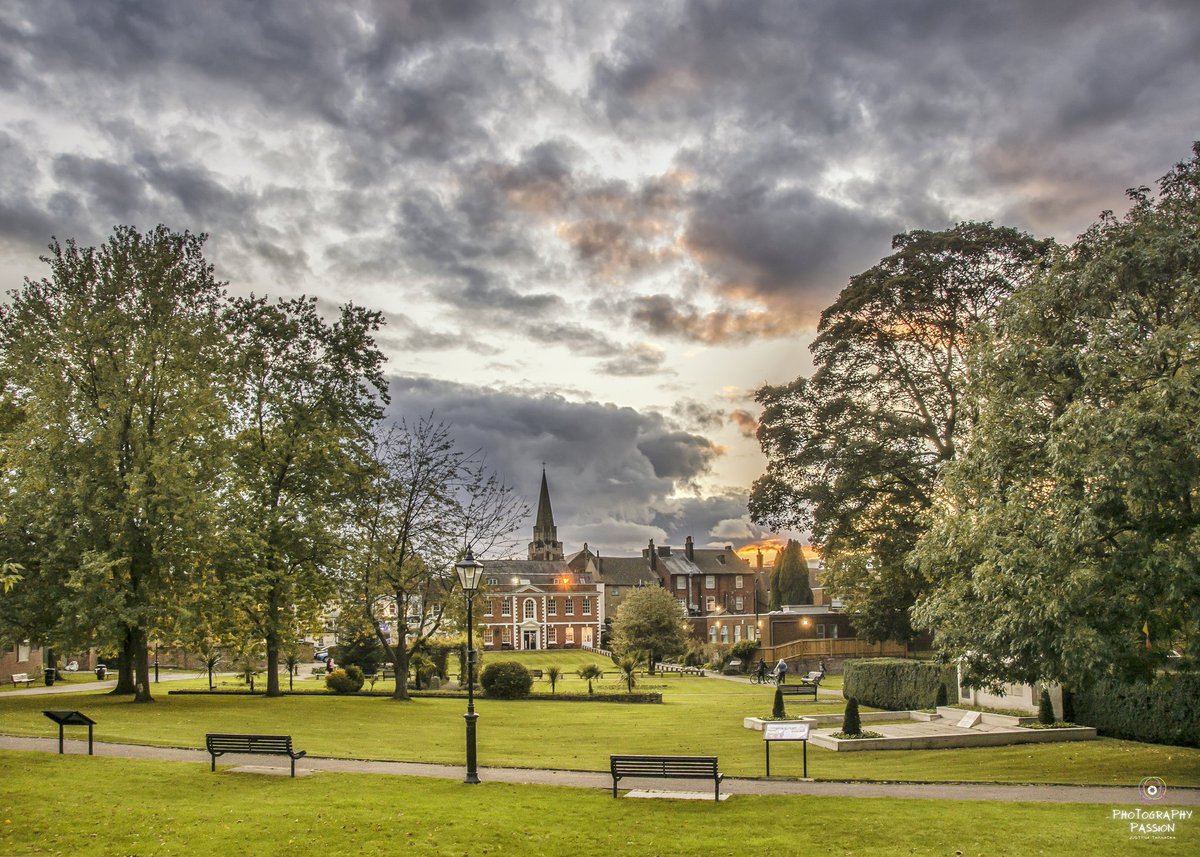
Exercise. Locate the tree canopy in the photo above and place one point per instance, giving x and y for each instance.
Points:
(854, 451)
(418, 507)
(650, 624)
(1064, 544)
(113, 368)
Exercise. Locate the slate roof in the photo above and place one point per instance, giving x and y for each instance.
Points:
(626, 571)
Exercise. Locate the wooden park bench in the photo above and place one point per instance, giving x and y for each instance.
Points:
(669, 767)
(275, 745)
(535, 673)
(21, 678)
(807, 687)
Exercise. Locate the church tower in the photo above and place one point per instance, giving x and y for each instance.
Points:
(545, 544)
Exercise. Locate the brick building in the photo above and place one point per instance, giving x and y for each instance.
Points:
(544, 602)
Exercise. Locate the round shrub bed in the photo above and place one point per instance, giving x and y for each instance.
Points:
(506, 680)
(348, 680)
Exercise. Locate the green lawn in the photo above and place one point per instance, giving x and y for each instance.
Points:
(124, 806)
(698, 716)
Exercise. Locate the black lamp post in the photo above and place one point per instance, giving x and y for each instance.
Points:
(156, 663)
(470, 575)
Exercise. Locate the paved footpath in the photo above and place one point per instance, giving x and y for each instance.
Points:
(1125, 795)
(85, 686)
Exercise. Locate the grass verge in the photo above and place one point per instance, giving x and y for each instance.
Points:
(697, 717)
(125, 806)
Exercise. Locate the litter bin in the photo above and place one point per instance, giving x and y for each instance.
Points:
(48, 675)
(102, 672)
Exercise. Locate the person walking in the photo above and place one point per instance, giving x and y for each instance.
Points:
(761, 671)
(781, 669)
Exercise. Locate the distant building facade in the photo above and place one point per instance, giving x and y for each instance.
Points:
(544, 602)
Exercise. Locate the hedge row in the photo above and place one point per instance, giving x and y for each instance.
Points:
(1162, 712)
(897, 684)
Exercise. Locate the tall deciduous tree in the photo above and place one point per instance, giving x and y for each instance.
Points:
(306, 398)
(115, 364)
(650, 624)
(1067, 536)
(854, 451)
(789, 579)
(418, 509)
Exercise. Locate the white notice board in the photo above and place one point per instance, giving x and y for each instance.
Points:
(785, 731)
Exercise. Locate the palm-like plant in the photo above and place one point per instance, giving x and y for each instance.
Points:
(628, 666)
(291, 657)
(591, 671)
(211, 658)
(553, 674)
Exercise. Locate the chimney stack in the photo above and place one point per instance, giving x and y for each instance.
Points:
(689, 549)
(759, 559)
(653, 557)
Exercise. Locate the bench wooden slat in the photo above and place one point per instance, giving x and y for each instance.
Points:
(805, 688)
(667, 767)
(219, 744)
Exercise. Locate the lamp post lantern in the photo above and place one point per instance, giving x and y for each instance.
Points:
(470, 575)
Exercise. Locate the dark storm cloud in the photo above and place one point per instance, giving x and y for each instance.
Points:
(714, 521)
(610, 467)
(679, 455)
(460, 153)
(697, 415)
(666, 316)
(636, 361)
(1062, 104)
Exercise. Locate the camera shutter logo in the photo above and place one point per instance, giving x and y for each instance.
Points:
(1153, 788)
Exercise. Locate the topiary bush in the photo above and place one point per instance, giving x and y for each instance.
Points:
(1045, 709)
(506, 680)
(777, 710)
(347, 680)
(898, 683)
(1163, 711)
(941, 697)
(851, 723)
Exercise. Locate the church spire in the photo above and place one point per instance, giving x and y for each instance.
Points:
(545, 544)
(545, 515)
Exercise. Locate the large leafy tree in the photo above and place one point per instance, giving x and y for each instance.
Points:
(113, 366)
(1065, 544)
(854, 451)
(305, 401)
(789, 578)
(650, 624)
(424, 502)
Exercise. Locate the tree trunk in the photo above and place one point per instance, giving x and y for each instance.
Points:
(273, 688)
(141, 666)
(125, 682)
(400, 660)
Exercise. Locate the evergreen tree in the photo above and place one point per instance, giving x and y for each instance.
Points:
(789, 579)
(851, 724)
(1045, 709)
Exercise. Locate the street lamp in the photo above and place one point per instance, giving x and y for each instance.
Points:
(470, 575)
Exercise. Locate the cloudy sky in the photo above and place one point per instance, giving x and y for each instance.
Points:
(594, 227)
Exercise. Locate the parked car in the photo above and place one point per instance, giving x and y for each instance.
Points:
(322, 655)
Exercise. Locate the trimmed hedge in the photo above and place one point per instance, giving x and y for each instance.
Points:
(506, 680)
(896, 683)
(1164, 711)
